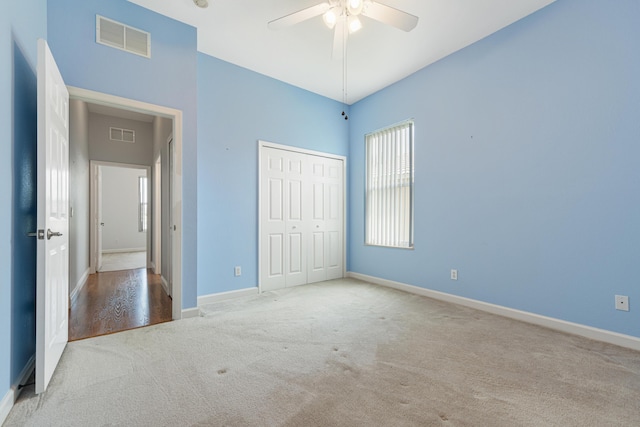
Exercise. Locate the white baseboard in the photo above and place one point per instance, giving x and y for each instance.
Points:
(79, 286)
(117, 251)
(14, 392)
(6, 404)
(165, 285)
(590, 332)
(190, 312)
(222, 296)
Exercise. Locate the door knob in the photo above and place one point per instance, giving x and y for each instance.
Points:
(51, 234)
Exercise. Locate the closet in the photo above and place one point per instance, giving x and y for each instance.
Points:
(301, 217)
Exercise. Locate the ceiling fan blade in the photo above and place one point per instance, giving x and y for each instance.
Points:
(299, 16)
(390, 16)
(340, 34)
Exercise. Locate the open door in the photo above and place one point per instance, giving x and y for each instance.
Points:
(99, 221)
(172, 227)
(52, 289)
(157, 217)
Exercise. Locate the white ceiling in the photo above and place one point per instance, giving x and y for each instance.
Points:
(118, 112)
(377, 56)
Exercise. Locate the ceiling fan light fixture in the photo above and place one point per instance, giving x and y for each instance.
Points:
(354, 24)
(355, 7)
(330, 18)
(201, 3)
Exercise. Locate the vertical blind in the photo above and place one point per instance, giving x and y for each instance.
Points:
(389, 187)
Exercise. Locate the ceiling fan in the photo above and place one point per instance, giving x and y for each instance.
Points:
(343, 17)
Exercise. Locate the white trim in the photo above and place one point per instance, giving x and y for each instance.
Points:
(188, 313)
(165, 285)
(157, 214)
(81, 282)
(222, 296)
(590, 332)
(14, 392)
(28, 369)
(176, 116)
(266, 144)
(6, 404)
(119, 251)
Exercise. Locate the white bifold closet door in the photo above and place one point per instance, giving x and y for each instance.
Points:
(302, 216)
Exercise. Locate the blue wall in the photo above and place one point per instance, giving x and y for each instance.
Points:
(526, 151)
(21, 24)
(167, 79)
(527, 167)
(236, 108)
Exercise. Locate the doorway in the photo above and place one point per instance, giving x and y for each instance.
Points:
(121, 216)
(158, 252)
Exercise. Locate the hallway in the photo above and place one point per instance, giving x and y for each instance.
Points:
(117, 301)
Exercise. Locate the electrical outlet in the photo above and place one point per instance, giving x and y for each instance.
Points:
(238, 271)
(454, 274)
(622, 302)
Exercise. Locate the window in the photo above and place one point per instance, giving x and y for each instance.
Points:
(389, 186)
(143, 205)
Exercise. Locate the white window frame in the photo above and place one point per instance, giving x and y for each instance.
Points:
(389, 214)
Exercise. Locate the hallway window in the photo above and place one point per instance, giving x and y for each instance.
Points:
(143, 204)
(389, 186)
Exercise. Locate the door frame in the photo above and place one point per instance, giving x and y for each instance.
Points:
(176, 117)
(94, 194)
(157, 215)
(171, 165)
(265, 144)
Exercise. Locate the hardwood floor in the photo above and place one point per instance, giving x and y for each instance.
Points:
(115, 301)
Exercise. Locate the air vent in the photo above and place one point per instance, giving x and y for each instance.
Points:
(122, 135)
(124, 37)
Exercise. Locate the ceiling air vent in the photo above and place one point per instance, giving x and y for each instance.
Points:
(124, 37)
(122, 135)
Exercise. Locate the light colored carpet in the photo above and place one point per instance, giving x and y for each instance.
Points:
(341, 353)
(123, 261)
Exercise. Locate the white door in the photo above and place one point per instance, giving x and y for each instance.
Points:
(52, 290)
(295, 260)
(283, 225)
(99, 219)
(326, 205)
(272, 221)
(334, 218)
(157, 216)
(301, 205)
(172, 227)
